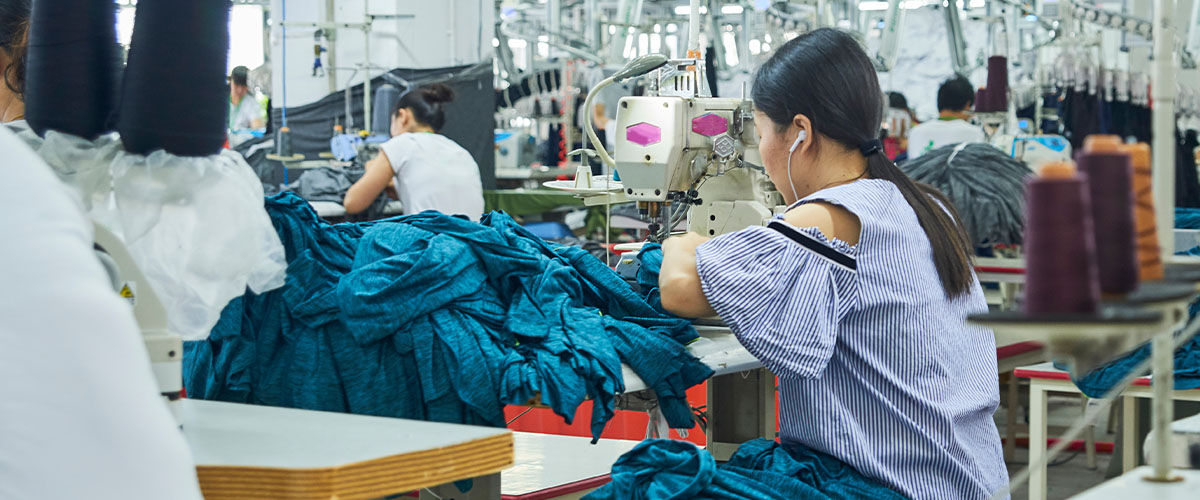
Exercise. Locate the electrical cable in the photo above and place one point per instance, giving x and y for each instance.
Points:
(1090, 417)
(522, 414)
(283, 62)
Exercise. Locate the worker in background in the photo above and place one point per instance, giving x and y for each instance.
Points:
(857, 296)
(80, 413)
(429, 170)
(898, 121)
(14, 31)
(245, 114)
(955, 99)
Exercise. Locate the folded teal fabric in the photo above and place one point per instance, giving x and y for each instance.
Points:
(664, 469)
(435, 317)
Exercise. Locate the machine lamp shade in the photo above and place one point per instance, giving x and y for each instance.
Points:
(639, 67)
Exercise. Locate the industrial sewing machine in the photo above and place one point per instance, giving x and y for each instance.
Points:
(681, 154)
(164, 347)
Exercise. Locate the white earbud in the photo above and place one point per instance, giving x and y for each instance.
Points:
(799, 138)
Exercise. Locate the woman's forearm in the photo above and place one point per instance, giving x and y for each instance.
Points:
(679, 281)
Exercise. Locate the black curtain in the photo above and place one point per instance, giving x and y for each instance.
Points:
(469, 120)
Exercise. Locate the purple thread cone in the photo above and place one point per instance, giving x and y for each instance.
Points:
(1110, 179)
(997, 83)
(1060, 249)
(981, 101)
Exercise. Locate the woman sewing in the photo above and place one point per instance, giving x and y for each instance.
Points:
(430, 171)
(856, 297)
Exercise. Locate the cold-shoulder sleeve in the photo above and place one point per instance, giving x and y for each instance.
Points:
(783, 291)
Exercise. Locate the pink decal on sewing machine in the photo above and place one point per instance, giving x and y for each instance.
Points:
(643, 134)
(709, 125)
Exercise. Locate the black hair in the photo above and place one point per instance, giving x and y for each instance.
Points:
(955, 94)
(826, 76)
(425, 103)
(240, 76)
(14, 30)
(897, 100)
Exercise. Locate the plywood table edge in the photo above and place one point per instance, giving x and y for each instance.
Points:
(369, 479)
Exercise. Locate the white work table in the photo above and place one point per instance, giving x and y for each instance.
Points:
(261, 452)
(717, 348)
(1131, 486)
(550, 466)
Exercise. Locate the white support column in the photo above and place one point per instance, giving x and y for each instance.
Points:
(1163, 381)
(1163, 147)
(1037, 441)
(1129, 426)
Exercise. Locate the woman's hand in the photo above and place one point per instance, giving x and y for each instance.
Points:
(678, 280)
(378, 176)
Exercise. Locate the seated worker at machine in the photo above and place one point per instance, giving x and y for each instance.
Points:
(245, 114)
(80, 413)
(856, 297)
(955, 99)
(14, 24)
(430, 171)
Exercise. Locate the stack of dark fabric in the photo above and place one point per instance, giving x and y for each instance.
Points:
(986, 186)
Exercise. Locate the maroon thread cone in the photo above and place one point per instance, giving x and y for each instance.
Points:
(981, 101)
(997, 83)
(1061, 276)
(1110, 179)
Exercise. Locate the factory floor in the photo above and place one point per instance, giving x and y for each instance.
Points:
(1072, 476)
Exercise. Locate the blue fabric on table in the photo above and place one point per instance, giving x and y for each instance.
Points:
(759, 470)
(435, 317)
(651, 258)
(1187, 218)
(1098, 382)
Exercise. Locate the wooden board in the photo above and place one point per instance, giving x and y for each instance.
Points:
(259, 452)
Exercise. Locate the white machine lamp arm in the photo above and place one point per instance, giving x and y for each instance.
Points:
(633, 69)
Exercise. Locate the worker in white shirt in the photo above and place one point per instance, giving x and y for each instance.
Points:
(955, 99)
(429, 170)
(245, 114)
(80, 412)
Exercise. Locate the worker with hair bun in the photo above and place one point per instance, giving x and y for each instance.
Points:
(430, 171)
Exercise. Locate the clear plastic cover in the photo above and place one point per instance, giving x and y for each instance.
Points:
(195, 225)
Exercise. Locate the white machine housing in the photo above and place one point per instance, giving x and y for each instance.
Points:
(164, 347)
(514, 149)
(1035, 150)
(700, 150)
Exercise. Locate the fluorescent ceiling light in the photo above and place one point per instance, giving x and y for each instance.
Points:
(683, 10)
(975, 4)
(872, 6)
(731, 10)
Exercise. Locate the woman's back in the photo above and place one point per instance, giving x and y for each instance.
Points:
(877, 367)
(914, 387)
(434, 173)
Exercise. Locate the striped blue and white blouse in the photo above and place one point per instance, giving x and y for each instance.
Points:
(876, 366)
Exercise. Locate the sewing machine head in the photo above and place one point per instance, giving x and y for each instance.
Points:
(699, 153)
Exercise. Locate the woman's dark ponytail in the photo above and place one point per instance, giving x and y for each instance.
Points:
(826, 76)
(947, 236)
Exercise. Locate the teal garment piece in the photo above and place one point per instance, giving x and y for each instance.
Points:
(439, 318)
(1187, 218)
(1098, 382)
(651, 258)
(661, 469)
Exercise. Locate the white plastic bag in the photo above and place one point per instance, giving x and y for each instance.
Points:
(195, 225)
